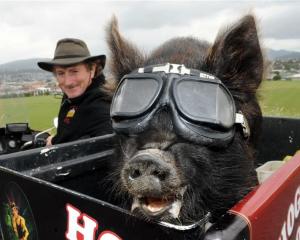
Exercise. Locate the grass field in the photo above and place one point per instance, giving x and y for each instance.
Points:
(280, 98)
(38, 110)
(277, 98)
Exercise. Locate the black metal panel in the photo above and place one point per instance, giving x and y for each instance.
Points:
(280, 137)
(47, 204)
(35, 158)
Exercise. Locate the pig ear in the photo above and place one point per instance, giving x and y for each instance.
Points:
(124, 56)
(236, 57)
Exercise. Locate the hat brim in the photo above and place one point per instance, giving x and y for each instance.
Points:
(48, 66)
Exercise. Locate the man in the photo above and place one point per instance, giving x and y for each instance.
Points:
(84, 112)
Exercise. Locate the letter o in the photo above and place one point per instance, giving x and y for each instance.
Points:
(297, 203)
(290, 220)
(298, 234)
(108, 235)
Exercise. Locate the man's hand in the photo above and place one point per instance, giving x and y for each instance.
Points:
(49, 141)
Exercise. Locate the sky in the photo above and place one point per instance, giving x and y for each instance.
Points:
(30, 29)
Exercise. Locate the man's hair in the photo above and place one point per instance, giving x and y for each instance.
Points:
(99, 68)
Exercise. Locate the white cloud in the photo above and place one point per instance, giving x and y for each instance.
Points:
(287, 44)
(30, 29)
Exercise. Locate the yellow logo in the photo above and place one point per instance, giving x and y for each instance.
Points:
(71, 113)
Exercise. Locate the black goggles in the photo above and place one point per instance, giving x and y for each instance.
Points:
(202, 107)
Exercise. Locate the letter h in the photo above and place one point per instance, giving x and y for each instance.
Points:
(76, 230)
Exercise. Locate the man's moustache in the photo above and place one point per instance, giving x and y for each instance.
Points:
(68, 87)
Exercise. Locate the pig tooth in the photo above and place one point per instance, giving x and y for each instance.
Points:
(175, 209)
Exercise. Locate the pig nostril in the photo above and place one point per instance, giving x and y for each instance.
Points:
(156, 173)
(135, 173)
(161, 175)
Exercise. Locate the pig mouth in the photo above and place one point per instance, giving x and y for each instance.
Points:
(159, 207)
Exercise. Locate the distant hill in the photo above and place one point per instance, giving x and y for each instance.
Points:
(22, 65)
(26, 65)
(23, 71)
(31, 64)
(282, 54)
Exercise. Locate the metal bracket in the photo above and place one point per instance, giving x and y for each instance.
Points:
(239, 118)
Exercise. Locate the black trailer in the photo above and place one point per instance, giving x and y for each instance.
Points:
(60, 194)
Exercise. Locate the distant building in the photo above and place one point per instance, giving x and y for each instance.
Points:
(42, 91)
(288, 69)
(294, 76)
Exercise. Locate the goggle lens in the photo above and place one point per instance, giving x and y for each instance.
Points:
(134, 96)
(206, 102)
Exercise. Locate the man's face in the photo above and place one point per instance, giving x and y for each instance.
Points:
(73, 80)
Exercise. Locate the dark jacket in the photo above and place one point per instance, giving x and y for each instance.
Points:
(84, 116)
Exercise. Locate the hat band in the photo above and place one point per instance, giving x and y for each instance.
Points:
(69, 56)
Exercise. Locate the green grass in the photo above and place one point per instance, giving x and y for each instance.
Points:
(39, 111)
(277, 98)
(280, 98)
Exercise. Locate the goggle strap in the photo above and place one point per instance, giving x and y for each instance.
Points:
(175, 68)
(240, 119)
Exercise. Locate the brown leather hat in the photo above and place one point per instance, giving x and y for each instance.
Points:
(70, 51)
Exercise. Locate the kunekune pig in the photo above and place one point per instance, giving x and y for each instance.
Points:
(187, 120)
